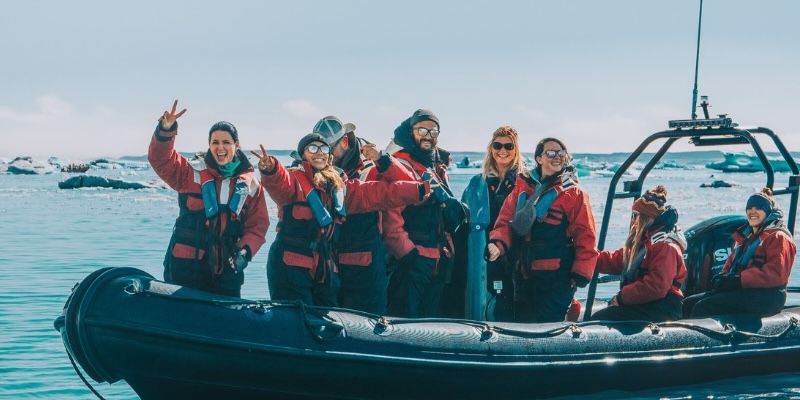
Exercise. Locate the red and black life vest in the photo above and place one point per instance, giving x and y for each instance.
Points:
(200, 231)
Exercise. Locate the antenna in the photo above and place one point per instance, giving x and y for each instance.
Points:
(697, 63)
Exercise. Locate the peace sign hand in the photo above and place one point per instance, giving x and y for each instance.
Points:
(169, 118)
(264, 160)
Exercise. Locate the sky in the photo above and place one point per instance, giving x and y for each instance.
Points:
(88, 78)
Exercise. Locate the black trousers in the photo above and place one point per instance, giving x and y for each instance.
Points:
(543, 297)
(762, 302)
(363, 287)
(666, 309)
(415, 288)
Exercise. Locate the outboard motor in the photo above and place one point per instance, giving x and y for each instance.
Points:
(709, 244)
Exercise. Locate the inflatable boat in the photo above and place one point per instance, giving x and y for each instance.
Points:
(168, 341)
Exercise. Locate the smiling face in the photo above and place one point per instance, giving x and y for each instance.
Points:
(222, 147)
(553, 165)
(503, 158)
(755, 216)
(318, 159)
(425, 143)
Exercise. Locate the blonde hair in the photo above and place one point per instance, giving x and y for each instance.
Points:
(489, 164)
(634, 241)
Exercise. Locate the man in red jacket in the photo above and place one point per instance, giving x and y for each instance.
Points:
(361, 254)
(418, 237)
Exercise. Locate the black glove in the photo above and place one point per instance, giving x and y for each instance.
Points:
(408, 261)
(579, 280)
(439, 193)
(725, 282)
(239, 258)
(453, 214)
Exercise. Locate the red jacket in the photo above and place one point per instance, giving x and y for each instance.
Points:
(572, 202)
(359, 197)
(771, 262)
(367, 170)
(182, 175)
(395, 236)
(662, 270)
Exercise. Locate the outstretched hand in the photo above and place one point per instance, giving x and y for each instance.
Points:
(264, 159)
(170, 117)
(371, 152)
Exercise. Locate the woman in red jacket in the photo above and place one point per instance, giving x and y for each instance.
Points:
(555, 251)
(755, 276)
(223, 213)
(313, 199)
(651, 264)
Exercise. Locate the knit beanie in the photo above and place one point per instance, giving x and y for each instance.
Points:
(224, 126)
(762, 200)
(424, 115)
(652, 203)
(311, 137)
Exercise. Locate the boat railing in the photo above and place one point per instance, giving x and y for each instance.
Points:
(702, 132)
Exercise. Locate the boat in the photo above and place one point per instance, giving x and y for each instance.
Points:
(466, 163)
(75, 168)
(168, 341)
(123, 324)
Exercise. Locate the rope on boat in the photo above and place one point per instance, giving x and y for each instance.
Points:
(728, 334)
(333, 330)
(732, 334)
(80, 375)
(330, 330)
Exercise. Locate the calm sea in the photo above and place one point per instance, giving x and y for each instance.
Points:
(54, 238)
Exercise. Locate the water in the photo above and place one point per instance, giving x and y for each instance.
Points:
(54, 238)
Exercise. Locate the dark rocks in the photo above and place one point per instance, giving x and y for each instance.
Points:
(83, 181)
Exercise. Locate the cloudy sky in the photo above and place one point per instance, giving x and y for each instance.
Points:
(89, 78)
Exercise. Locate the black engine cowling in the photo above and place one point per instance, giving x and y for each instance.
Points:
(709, 244)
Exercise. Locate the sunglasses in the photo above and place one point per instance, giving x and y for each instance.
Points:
(425, 132)
(316, 148)
(554, 153)
(507, 146)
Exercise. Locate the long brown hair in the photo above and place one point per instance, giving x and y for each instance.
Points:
(489, 165)
(328, 177)
(635, 238)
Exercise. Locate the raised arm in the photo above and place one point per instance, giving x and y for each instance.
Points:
(166, 162)
(275, 179)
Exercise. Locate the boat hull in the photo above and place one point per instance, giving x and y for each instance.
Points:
(166, 341)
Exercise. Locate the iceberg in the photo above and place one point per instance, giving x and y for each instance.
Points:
(747, 162)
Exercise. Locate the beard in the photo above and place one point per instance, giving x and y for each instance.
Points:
(428, 152)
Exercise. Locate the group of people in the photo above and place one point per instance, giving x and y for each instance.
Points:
(372, 230)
